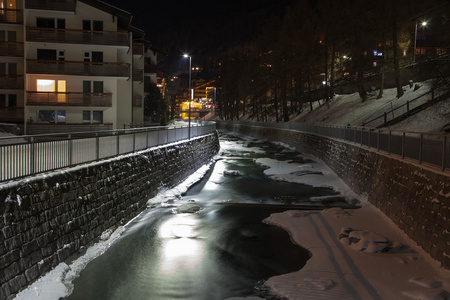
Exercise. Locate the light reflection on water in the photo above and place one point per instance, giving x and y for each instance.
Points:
(181, 249)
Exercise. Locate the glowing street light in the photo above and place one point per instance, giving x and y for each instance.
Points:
(190, 97)
(424, 23)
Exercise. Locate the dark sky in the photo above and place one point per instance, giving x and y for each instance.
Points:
(201, 28)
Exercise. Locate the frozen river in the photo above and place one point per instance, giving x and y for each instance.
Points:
(222, 250)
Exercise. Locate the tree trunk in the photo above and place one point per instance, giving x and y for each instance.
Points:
(395, 40)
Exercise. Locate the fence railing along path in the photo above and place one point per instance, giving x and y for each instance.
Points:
(22, 156)
(409, 108)
(419, 147)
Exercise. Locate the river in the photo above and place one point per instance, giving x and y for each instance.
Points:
(222, 250)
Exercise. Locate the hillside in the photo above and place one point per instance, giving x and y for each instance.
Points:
(348, 109)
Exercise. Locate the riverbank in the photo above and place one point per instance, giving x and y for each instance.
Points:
(383, 264)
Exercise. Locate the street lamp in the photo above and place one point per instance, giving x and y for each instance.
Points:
(189, 95)
(424, 23)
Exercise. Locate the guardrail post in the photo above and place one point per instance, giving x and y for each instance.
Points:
(444, 154)
(134, 140)
(378, 140)
(420, 148)
(146, 138)
(389, 142)
(32, 169)
(118, 143)
(70, 150)
(403, 145)
(407, 106)
(362, 129)
(97, 146)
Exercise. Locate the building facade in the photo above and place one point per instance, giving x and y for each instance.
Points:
(70, 65)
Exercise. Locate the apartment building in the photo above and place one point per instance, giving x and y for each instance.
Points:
(70, 65)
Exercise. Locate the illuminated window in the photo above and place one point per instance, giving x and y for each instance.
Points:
(44, 85)
(61, 91)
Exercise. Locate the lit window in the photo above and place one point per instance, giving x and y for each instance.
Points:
(61, 91)
(44, 85)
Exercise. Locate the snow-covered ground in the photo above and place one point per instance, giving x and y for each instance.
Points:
(348, 109)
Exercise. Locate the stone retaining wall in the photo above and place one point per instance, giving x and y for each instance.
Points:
(413, 196)
(47, 219)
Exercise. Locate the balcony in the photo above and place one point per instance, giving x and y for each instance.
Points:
(35, 66)
(57, 5)
(75, 36)
(138, 75)
(12, 16)
(138, 49)
(12, 114)
(14, 82)
(69, 99)
(11, 49)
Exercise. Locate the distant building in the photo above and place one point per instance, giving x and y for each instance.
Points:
(71, 65)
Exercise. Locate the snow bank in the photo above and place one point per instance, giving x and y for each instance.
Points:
(383, 262)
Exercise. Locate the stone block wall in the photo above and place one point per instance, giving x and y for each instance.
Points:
(413, 196)
(48, 219)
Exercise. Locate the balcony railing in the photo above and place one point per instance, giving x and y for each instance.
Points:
(58, 5)
(14, 82)
(35, 66)
(138, 75)
(138, 49)
(11, 49)
(12, 114)
(69, 99)
(75, 36)
(14, 16)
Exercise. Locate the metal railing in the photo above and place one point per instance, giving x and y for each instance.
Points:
(110, 69)
(22, 156)
(69, 99)
(420, 147)
(406, 108)
(76, 36)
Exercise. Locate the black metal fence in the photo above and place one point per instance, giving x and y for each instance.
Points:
(22, 156)
(420, 147)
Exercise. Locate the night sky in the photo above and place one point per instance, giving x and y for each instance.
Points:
(199, 27)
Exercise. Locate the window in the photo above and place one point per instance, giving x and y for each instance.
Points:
(8, 100)
(44, 85)
(97, 87)
(8, 36)
(94, 56)
(12, 100)
(59, 86)
(61, 55)
(92, 116)
(46, 54)
(92, 25)
(51, 116)
(51, 23)
(12, 68)
(8, 4)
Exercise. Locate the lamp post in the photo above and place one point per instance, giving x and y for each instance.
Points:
(424, 23)
(189, 95)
